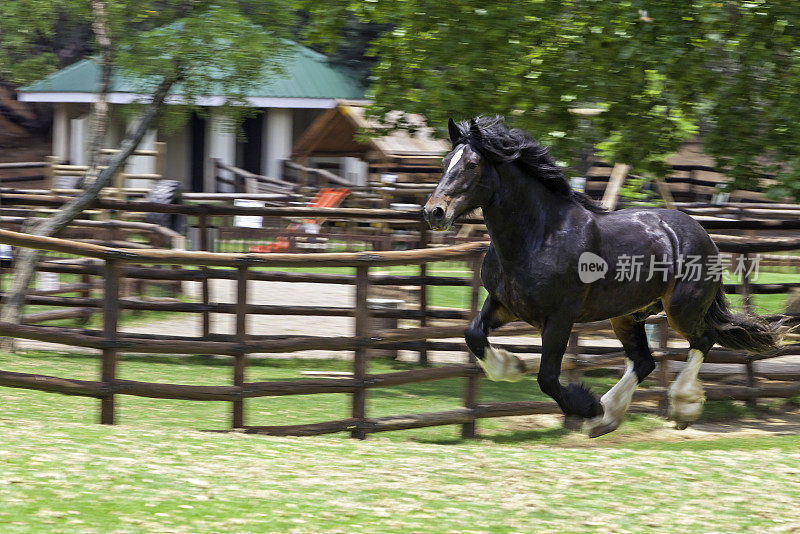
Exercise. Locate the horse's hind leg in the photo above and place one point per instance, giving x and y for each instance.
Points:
(640, 363)
(498, 364)
(686, 314)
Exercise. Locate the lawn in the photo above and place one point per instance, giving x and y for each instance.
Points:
(159, 472)
(206, 370)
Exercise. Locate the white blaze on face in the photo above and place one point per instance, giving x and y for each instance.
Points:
(455, 159)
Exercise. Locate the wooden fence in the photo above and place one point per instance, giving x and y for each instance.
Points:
(117, 263)
(687, 183)
(382, 229)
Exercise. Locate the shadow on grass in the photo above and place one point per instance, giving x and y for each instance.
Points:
(539, 436)
(726, 410)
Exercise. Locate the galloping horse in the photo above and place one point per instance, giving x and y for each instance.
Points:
(543, 233)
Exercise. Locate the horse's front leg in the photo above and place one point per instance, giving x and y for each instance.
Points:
(574, 399)
(498, 364)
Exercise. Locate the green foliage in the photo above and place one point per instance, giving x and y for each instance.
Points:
(662, 71)
(27, 29)
(220, 47)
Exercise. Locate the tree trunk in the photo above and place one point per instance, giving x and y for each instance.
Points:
(25, 261)
(99, 121)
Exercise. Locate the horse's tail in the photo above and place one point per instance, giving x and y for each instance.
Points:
(742, 331)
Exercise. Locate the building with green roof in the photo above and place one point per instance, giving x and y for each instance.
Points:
(286, 104)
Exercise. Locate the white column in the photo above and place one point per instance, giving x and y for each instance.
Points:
(221, 138)
(61, 129)
(277, 140)
(355, 170)
(78, 145)
(141, 164)
(179, 153)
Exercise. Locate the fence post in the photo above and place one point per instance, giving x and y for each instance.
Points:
(86, 316)
(360, 355)
(240, 360)
(468, 430)
(110, 321)
(50, 172)
(204, 285)
(693, 185)
(747, 292)
(423, 291)
(663, 365)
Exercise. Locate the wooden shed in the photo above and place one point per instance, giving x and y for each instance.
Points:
(337, 135)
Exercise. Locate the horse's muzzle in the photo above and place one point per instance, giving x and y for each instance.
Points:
(436, 216)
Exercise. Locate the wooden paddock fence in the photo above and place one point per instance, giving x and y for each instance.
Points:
(415, 234)
(115, 263)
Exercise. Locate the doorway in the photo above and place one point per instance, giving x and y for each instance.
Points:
(197, 163)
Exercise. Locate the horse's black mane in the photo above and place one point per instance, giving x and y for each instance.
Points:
(500, 144)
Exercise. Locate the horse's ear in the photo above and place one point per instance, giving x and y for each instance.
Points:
(474, 130)
(452, 129)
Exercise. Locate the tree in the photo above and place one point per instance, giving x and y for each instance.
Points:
(203, 47)
(661, 70)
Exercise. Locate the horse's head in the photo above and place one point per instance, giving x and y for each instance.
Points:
(459, 189)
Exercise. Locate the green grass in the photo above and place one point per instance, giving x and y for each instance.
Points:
(157, 470)
(764, 304)
(202, 370)
(127, 318)
(66, 477)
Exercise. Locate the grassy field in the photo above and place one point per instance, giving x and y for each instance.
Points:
(159, 471)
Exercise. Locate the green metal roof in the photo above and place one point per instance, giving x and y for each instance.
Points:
(307, 74)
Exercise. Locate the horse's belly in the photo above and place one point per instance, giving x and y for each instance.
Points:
(607, 302)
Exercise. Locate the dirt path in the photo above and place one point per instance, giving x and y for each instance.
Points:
(306, 294)
(224, 291)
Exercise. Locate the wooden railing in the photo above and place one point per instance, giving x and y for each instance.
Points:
(243, 181)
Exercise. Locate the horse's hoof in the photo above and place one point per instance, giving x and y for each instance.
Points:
(602, 430)
(685, 413)
(501, 365)
(600, 425)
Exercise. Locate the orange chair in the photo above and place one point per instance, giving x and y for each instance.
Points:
(325, 198)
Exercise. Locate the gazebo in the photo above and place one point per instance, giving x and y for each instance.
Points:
(286, 105)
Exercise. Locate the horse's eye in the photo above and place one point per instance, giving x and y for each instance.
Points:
(471, 165)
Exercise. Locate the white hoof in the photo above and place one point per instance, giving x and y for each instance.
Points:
(499, 364)
(686, 396)
(615, 404)
(686, 407)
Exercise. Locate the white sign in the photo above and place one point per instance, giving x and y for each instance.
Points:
(247, 221)
(46, 281)
(578, 183)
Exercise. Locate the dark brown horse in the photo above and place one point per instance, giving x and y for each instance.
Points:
(550, 263)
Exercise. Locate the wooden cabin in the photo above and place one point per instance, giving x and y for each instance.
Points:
(337, 141)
